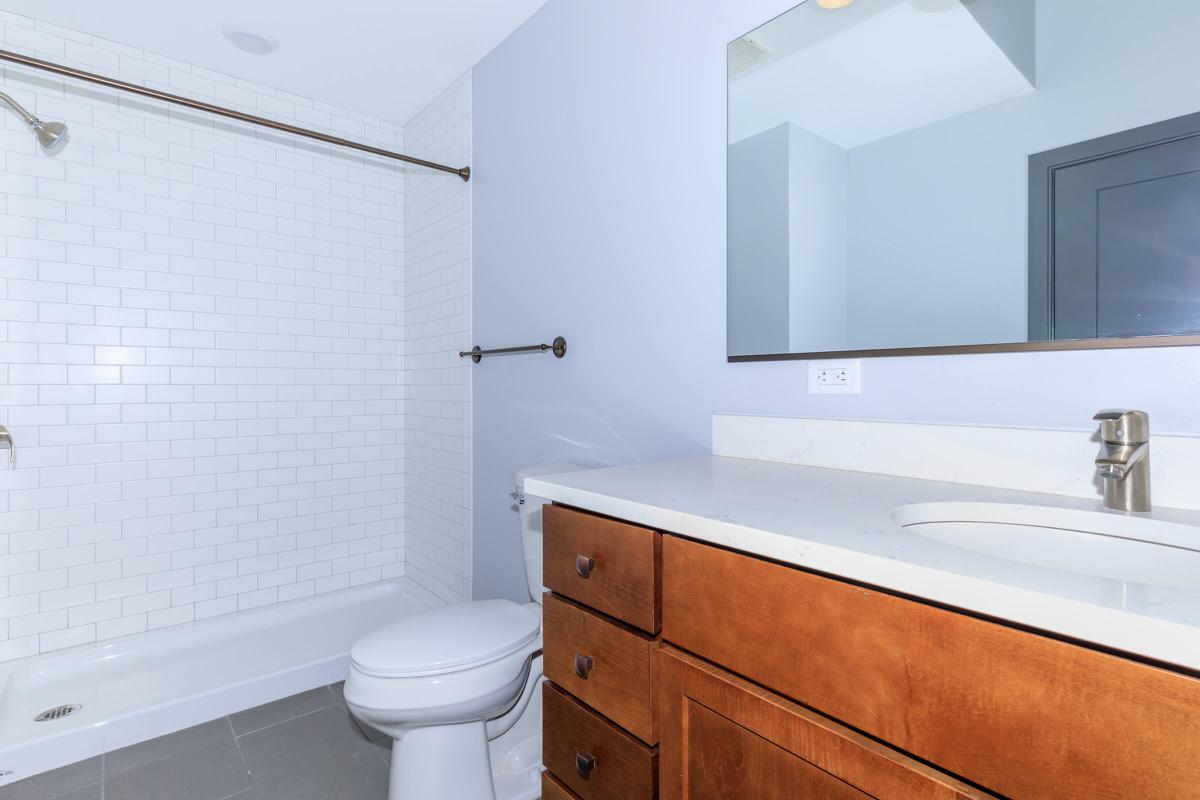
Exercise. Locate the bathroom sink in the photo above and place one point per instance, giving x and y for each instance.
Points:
(1114, 546)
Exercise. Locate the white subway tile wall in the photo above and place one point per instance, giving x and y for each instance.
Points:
(437, 325)
(201, 352)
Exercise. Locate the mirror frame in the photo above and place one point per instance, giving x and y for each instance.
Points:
(1133, 342)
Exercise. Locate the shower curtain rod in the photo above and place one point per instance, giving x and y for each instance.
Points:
(221, 111)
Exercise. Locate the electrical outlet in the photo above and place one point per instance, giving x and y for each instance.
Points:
(835, 377)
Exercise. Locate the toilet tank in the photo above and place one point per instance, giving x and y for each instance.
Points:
(530, 510)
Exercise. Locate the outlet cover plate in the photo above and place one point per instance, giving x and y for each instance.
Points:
(835, 377)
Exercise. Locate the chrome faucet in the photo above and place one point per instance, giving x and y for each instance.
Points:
(1124, 459)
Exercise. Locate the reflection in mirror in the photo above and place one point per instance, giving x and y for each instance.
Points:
(948, 173)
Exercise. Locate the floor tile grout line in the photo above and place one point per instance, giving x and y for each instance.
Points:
(280, 722)
(241, 757)
(99, 783)
(239, 793)
(229, 722)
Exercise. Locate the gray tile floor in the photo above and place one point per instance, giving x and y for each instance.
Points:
(305, 747)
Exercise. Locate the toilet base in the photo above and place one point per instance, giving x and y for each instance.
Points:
(449, 761)
(517, 755)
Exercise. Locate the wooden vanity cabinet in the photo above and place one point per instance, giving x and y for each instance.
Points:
(767, 681)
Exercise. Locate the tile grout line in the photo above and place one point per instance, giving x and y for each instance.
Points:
(252, 788)
(78, 789)
(277, 724)
(241, 757)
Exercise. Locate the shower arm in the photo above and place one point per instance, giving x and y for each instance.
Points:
(30, 119)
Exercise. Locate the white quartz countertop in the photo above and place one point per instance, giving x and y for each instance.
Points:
(840, 523)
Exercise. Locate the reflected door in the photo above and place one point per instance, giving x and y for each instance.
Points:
(1122, 236)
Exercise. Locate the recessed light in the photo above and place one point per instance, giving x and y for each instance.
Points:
(834, 4)
(250, 42)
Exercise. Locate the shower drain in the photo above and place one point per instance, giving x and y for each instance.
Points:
(58, 712)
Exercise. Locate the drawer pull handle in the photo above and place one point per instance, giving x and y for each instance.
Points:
(584, 565)
(583, 665)
(584, 764)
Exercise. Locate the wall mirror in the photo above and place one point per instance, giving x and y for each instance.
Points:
(932, 176)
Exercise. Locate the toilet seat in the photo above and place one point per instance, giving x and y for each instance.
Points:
(446, 639)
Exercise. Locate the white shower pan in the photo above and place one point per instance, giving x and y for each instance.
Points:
(133, 689)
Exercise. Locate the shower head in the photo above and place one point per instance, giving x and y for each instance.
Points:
(51, 135)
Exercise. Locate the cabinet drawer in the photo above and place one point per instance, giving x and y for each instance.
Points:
(552, 789)
(1024, 715)
(618, 681)
(610, 566)
(591, 756)
(724, 737)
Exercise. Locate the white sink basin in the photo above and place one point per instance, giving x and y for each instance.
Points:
(1115, 546)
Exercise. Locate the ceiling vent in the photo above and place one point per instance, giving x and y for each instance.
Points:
(742, 53)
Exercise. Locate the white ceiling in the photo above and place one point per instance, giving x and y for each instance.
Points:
(870, 71)
(386, 58)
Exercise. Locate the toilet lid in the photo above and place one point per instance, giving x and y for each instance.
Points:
(445, 639)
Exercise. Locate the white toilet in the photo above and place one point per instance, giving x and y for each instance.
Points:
(456, 687)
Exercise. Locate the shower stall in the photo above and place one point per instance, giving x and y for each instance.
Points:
(230, 320)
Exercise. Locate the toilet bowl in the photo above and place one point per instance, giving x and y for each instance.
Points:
(433, 681)
(450, 684)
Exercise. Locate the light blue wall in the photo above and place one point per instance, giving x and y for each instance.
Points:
(599, 141)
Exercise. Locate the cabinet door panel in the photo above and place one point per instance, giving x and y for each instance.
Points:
(1024, 715)
(726, 760)
(725, 737)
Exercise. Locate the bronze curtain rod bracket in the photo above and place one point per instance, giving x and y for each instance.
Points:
(221, 111)
(558, 347)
